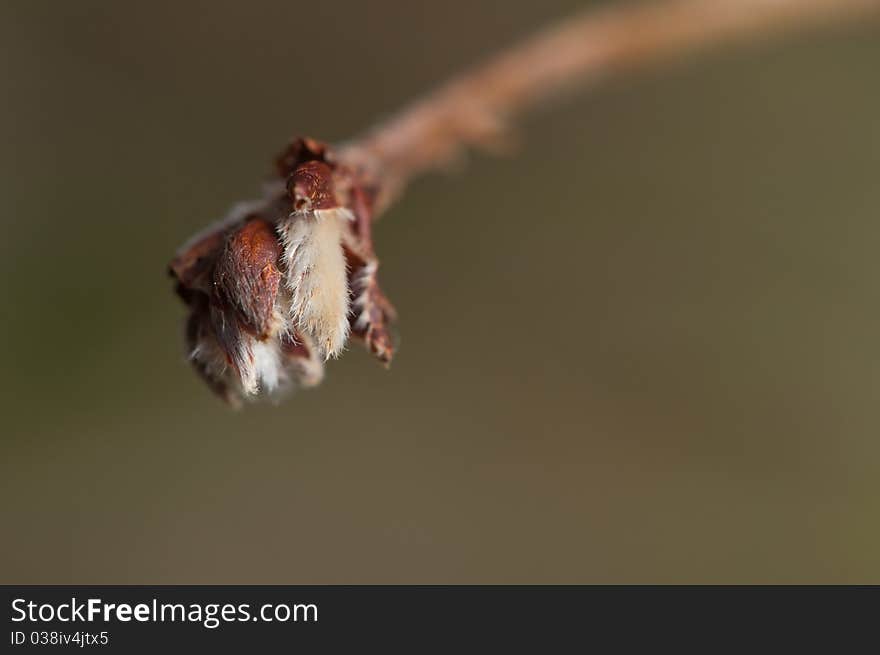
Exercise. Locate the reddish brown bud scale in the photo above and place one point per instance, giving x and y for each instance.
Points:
(373, 324)
(247, 275)
(228, 334)
(310, 186)
(372, 312)
(297, 152)
(200, 336)
(192, 266)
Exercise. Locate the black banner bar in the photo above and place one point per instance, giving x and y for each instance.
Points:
(413, 619)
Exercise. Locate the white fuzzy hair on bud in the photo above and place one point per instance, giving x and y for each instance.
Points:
(257, 362)
(265, 372)
(316, 276)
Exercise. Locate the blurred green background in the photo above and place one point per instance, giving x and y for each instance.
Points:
(644, 349)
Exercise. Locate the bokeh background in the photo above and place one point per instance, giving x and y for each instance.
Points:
(644, 349)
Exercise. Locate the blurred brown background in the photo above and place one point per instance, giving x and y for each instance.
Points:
(642, 350)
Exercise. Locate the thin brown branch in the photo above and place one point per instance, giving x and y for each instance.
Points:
(474, 109)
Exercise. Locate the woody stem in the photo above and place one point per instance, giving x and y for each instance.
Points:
(474, 108)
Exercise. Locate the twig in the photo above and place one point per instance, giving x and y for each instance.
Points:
(276, 288)
(474, 109)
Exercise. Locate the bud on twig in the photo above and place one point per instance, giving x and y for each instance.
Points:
(276, 288)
